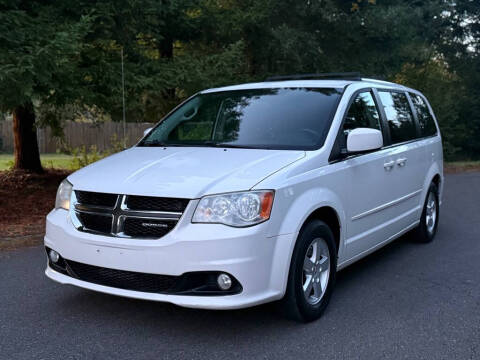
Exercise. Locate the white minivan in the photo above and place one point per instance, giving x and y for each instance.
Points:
(253, 193)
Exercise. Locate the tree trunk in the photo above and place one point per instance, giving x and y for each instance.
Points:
(166, 52)
(27, 156)
(166, 48)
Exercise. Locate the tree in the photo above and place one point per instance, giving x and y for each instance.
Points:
(58, 55)
(38, 54)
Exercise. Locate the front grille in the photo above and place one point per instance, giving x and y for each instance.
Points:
(147, 227)
(156, 204)
(126, 215)
(96, 222)
(127, 280)
(96, 199)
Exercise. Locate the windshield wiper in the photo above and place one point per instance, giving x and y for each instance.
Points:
(208, 143)
(239, 146)
(160, 144)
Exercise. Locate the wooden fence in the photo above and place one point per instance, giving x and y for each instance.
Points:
(77, 134)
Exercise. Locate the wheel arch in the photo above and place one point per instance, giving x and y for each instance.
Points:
(434, 175)
(314, 203)
(330, 216)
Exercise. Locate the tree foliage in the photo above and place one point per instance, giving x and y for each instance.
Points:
(64, 56)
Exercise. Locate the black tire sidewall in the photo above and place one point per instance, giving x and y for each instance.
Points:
(424, 235)
(314, 229)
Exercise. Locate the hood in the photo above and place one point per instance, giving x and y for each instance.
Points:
(184, 172)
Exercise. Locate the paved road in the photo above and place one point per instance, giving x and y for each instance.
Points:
(405, 301)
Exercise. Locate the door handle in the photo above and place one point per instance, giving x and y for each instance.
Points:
(401, 162)
(389, 165)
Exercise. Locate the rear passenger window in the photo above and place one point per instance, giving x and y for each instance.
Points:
(362, 113)
(425, 118)
(399, 116)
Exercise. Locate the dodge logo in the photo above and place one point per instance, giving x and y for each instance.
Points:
(154, 225)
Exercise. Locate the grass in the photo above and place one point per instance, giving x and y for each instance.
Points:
(57, 161)
(463, 163)
(62, 161)
(461, 166)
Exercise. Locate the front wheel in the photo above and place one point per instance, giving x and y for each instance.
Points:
(426, 230)
(312, 273)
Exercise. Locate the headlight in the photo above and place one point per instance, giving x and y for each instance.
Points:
(63, 195)
(235, 209)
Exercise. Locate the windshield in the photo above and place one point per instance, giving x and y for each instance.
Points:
(284, 118)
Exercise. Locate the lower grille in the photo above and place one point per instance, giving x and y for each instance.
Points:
(201, 283)
(127, 280)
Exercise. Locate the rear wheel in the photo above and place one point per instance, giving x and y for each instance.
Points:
(426, 230)
(312, 273)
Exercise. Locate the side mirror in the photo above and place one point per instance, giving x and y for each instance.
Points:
(364, 139)
(146, 131)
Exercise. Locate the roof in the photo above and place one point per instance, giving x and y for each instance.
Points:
(310, 83)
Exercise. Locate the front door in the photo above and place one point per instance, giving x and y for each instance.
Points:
(369, 176)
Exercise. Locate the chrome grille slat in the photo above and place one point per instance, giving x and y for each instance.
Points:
(92, 209)
(157, 223)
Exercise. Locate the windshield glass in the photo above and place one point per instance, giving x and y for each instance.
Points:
(284, 118)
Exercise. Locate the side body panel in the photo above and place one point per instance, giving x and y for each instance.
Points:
(373, 205)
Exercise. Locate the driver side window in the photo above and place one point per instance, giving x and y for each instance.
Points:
(362, 113)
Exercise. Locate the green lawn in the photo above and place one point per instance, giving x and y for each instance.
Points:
(62, 161)
(58, 161)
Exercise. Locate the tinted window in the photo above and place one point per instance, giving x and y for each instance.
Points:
(362, 113)
(425, 118)
(295, 118)
(399, 116)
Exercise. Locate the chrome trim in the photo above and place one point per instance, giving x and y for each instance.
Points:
(82, 227)
(93, 209)
(387, 205)
(93, 212)
(140, 216)
(119, 213)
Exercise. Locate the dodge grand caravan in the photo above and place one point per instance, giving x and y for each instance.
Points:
(253, 193)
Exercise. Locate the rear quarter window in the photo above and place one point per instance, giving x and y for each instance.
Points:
(425, 117)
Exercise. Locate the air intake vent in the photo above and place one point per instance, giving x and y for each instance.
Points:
(128, 280)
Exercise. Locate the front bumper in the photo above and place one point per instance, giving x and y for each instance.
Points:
(260, 263)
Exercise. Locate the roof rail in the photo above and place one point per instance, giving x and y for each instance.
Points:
(356, 76)
(379, 80)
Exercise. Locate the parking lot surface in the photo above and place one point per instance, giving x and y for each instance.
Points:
(405, 301)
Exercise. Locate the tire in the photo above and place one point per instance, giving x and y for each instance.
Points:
(427, 229)
(308, 305)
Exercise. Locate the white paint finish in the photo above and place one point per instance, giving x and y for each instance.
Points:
(380, 244)
(256, 260)
(386, 205)
(230, 302)
(364, 139)
(187, 172)
(377, 197)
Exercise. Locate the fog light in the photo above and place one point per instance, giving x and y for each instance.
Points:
(224, 281)
(54, 256)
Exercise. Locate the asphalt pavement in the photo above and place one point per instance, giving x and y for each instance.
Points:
(407, 300)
